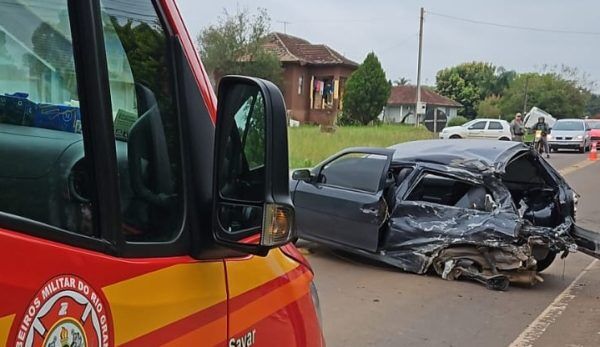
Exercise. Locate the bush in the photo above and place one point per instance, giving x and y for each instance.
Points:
(367, 91)
(509, 117)
(458, 120)
(344, 120)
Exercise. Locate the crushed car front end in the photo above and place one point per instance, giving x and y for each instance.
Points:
(508, 220)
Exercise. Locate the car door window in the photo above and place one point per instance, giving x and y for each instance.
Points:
(358, 171)
(146, 123)
(443, 190)
(44, 174)
(478, 126)
(495, 126)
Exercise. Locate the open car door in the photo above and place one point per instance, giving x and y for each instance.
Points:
(342, 200)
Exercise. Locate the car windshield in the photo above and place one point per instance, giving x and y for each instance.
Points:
(594, 125)
(568, 126)
(469, 123)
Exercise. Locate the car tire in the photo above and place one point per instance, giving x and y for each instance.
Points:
(504, 139)
(582, 150)
(455, 137)
(543, 264)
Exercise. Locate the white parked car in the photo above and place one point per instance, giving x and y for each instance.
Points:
(480, 128)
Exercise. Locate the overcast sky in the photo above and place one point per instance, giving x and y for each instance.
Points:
(390, 27)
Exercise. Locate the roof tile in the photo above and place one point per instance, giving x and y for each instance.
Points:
(406, 95)
(294, 49)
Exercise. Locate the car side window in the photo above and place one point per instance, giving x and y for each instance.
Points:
(44, 174)
(146, 124)
(495, 126)
(478, 125)
(443, 190)
(357, 171)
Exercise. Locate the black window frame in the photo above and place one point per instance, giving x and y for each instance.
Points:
(92, 93)
(427, 171)
(341, 155)
(489, 125)
(485, 124)
(180, 243)
(93, 88)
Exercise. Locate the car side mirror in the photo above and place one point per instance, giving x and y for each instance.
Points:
(302, 175)
(252, 208)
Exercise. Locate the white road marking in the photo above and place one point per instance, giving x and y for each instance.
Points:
(537, 328)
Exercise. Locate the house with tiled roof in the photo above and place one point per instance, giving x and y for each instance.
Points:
(314, 77)
(401, 104)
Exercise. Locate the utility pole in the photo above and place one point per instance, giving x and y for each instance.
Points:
(417, 110)
(285, 23)
(526, 95)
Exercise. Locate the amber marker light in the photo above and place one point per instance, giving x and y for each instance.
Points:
(277, 225)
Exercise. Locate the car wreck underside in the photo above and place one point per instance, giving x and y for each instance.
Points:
(498, 224)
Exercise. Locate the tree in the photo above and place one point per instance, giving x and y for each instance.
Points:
(489, 107)
(367, 91)
(549, 91)
(470, 83)
(235, 45)
(402, 81)
(592, 107)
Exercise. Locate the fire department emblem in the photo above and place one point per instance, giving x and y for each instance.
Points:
(66, 312)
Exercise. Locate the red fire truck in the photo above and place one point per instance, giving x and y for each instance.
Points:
(133, 210)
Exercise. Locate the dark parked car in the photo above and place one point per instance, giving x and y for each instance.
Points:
(495, 212)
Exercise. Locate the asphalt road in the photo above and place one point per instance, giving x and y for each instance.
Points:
(367, 304)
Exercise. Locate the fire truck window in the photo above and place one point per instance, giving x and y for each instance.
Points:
(44, 175)
(145, 120)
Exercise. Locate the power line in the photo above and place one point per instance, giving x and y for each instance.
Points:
(342, 20)
(401, 42)
(515, 27)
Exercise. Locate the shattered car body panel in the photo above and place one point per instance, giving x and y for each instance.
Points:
(491, 212)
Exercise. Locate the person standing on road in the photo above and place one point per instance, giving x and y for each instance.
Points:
(542, 126)
(517, 129)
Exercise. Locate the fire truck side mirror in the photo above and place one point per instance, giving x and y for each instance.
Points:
(252, 208)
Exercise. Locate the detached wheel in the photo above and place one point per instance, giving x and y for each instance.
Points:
(455, 137)
(543, 264)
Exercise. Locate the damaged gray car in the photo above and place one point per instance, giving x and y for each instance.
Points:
(489, 211)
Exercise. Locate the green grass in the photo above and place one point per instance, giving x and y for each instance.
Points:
(309, 146)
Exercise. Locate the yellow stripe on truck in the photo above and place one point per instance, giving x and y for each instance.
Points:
(5, 324)
(146, 303)
(247, 274)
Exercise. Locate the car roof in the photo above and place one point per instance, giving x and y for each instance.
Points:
(489, 119)
(571, 120)
(447, 151)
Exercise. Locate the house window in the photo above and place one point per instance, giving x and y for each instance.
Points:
(300, 84)
(322, 93)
